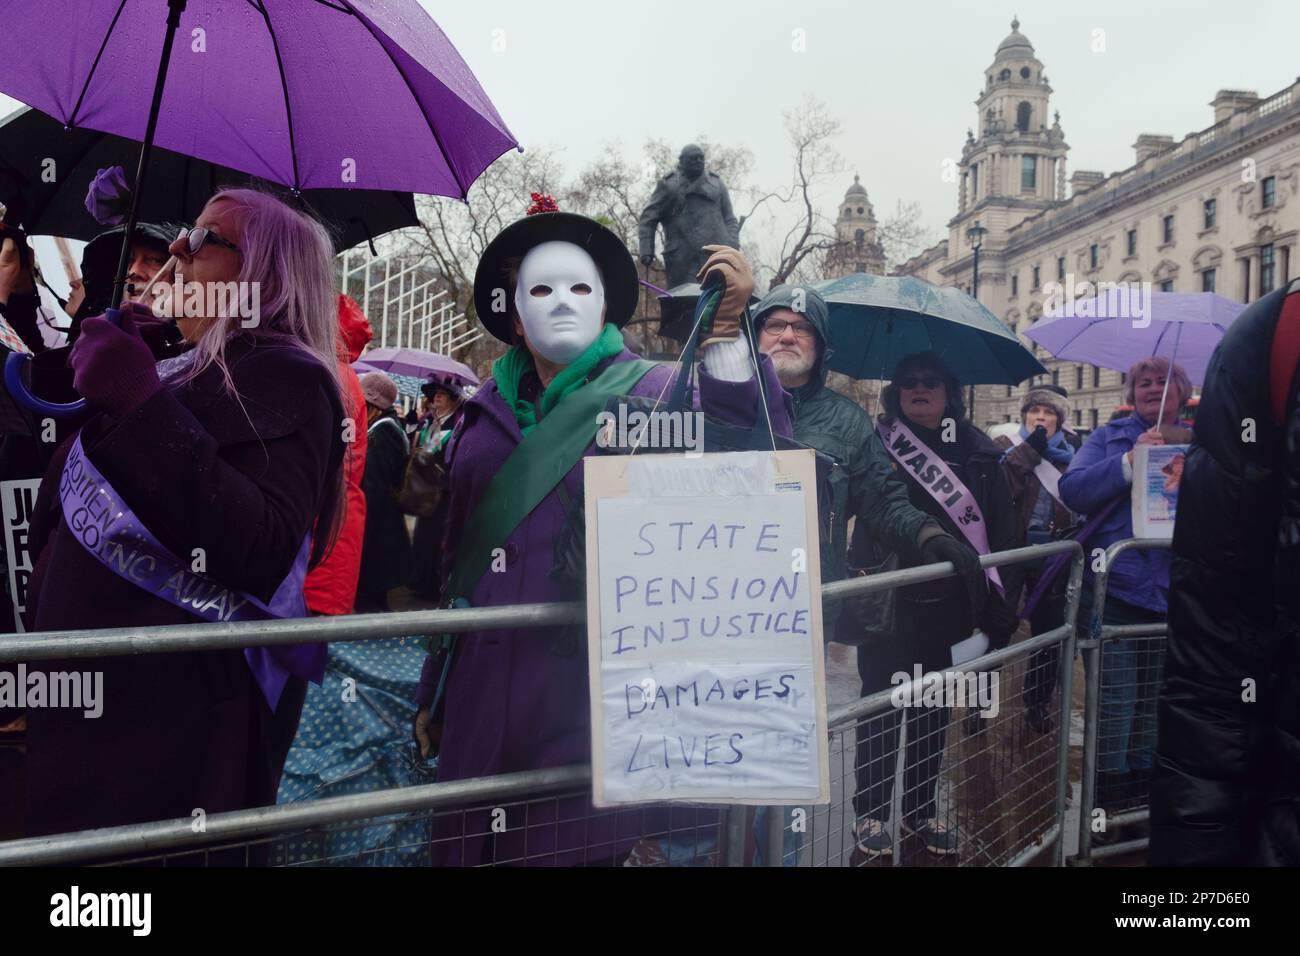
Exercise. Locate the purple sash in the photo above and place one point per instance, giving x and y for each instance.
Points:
(942, 484)
(109, 530)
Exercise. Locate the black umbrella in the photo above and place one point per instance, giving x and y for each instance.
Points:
(46, 168)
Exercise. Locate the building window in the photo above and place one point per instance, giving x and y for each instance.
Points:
(1009, 389)
(1078, 377)
(1267, 269)
(1092, 256)
(1094, 418)
(1245, 280)
(1169, 228)
(974, 182)
(1023, 112)
(1028, 173)
(1078, 416)
(1060, 268)
(1096, 377)
(1036, 282)
(1207, 280)
(1211, 210)
(1015, 285)
(1166, 285)
(1132, 242)
(1056, 376)
(1123, 377)
(1267, 192)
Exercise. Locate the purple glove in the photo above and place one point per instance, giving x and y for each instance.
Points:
(112, 366)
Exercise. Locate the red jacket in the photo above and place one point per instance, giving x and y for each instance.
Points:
(331, 586)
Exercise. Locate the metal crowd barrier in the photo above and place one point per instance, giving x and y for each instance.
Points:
(1123, 670)
(1005, 824)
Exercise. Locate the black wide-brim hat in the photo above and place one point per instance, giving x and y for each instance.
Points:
(617, 270)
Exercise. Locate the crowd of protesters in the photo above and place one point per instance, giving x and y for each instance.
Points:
(258, 451)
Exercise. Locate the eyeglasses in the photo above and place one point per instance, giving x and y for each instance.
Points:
(928, 382)
(198, 235)
(777, 327)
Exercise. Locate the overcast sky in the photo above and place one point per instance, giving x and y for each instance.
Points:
(902, 77)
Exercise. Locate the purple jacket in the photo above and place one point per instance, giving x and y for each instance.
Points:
(1095, 477)
(518, 700)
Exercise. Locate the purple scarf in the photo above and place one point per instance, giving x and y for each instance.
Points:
(110, 531)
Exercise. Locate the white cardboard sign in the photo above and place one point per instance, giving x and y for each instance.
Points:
(17, 499)
(1157, 475)
(704, 627)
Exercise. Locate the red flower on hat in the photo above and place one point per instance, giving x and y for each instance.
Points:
(542, 203)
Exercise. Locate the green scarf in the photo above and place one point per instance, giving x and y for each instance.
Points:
(509, 370)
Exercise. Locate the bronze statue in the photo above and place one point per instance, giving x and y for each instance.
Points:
(695, 210)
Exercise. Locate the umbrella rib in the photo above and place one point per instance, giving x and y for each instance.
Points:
(284, 88)
(72, 120)
(437, 137)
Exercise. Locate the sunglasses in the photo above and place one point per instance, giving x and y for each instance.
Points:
(198, 235)
(928, 382)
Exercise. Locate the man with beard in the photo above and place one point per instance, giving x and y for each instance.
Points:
(794, 331)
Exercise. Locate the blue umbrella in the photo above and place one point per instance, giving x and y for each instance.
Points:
(877, 320)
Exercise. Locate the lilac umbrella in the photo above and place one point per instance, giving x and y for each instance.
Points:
(351, 93)
(1129, 322)
(417, 363)
(1115, 330)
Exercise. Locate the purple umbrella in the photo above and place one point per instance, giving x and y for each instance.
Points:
(319, 93)
(417, 363)
(1114, 331)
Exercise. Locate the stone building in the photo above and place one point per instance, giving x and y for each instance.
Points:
(1216, 210)
(857, 248)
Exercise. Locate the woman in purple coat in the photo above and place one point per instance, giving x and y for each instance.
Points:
(557, 287)
(223, 467)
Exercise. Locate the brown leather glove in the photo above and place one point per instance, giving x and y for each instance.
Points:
(731, 265)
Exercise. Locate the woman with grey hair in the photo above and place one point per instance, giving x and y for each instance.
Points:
(1097, 483)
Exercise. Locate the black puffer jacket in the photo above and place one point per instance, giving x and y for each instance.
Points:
(863, 483)
(1226, 784)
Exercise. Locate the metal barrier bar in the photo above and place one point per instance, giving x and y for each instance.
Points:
(137, 838)
(179, 833)
(124, 641)
(1091, 650)
(882, 702)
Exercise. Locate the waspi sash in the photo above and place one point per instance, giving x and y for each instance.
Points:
(942, 484)
(114, 535)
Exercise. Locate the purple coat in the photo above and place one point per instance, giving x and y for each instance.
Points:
(246, 483)
(518, 700)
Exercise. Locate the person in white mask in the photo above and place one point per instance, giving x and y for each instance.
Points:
(557, 288)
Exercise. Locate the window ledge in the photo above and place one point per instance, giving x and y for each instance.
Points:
(1166, 245)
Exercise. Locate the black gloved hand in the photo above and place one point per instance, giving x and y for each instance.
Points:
(945, 547)
(998, 621)
(1038, 441)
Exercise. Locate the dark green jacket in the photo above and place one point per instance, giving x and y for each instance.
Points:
(862, 484)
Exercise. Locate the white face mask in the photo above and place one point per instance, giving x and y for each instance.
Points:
(560, 300)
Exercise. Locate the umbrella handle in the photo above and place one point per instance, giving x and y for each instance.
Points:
(14, 366)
